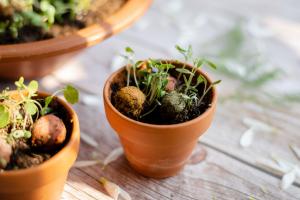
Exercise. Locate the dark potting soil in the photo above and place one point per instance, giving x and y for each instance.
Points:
(99, 10)
(157, 116)
(26, 156)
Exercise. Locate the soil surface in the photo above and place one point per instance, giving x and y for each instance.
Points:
(158, 116)
(99, 10)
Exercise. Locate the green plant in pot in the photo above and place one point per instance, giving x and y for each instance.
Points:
(39, 141)
(159, 108)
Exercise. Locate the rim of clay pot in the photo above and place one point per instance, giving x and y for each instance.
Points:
(86, 37)
(61, 153)
(163, 126)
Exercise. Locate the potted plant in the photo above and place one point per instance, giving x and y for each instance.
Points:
(39, 142)
(37, 36)
(159, 108)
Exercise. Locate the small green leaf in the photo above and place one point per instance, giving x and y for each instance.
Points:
(184, 71)
(20, 83)
(4, 116)
(200, 79)
(18, 134)
(71, 94)
(180, 49)
(211, 64)
(30, 108)
(27, 134)
(33, 87)
(129, 50)
(216, 82)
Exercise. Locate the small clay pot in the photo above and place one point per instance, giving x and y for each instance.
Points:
(37, 59)
(156, 151)
(45, 181)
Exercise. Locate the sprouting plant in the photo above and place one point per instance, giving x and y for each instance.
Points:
(20, 108)
(190, 87)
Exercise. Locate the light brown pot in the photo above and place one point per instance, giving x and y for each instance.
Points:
(36, 59)
(45, 181)
(156, 151)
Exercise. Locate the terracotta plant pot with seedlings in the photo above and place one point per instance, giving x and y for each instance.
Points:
(159, 109)
(37, 37)
(39, 142)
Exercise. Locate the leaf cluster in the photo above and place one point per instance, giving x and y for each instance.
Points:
(16, 14)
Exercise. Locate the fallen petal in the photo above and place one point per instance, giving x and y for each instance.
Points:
(288, 179)
(111, 188)
(247, 138)
(86, 163)
(258, 125)
(124, 195)
(284, 165)
(114, 155)
(88, 140)
(90, 100)
(268, 165)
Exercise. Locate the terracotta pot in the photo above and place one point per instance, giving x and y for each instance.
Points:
(37, 59)
(156, 151)
(45, 181)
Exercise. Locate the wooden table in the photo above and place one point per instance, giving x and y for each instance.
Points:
(219, 168)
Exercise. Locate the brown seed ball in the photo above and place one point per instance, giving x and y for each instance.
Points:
(172, 82)
(5, 153)
(48, 131)
(130, 101)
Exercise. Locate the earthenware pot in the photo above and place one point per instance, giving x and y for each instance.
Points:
(156, 151)
(45, 181)
(36, 59)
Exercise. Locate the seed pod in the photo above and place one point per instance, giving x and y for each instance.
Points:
(48, 131)
(172, 104)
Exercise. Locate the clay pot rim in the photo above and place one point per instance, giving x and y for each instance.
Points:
(86, 37)
(75, 135)
(157, 126)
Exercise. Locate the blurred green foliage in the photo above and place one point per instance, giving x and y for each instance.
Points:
(15, 14)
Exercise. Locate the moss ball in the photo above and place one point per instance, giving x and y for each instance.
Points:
(130, 101)
(173, 103)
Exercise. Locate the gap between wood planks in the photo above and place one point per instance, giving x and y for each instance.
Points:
(297, 184)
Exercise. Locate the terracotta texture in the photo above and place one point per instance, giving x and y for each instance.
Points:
(156, 151)
(37, 59)
(45, 181)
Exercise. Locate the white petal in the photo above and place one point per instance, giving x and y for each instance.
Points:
(90, 100)
(114, 155)
(284, 165)
(296, 150)
(288, 179)
(124, 195)
(268, 165)
(88, 139)
(86, 163)
(258, 125)
(111, 188)
(247, 138)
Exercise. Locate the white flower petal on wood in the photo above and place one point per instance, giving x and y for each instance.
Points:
(258, 125)
(113, 155)
(247, 138)
(284, 165)
(114, 190)
(269, 165)
(90, 100)
(288, 179)
(88, 139)
(86, 163)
